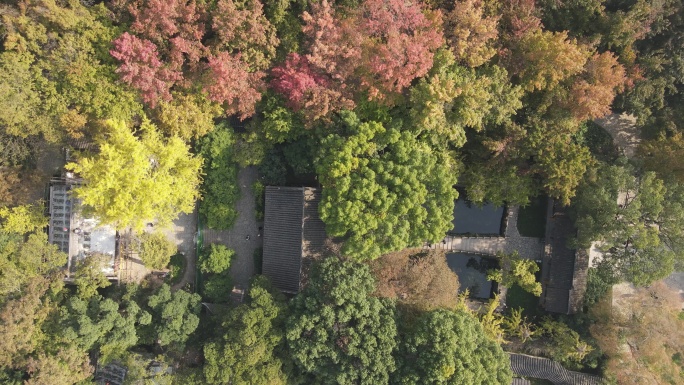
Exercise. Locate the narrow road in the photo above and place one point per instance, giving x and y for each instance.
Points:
(246, 225)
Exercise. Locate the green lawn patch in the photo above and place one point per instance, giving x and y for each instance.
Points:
(532, 218)
(176, 267)
(516, 297)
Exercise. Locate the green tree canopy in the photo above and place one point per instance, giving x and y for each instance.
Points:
(338, 333)
(33, 347)
(22, 318)
(22, 219)
(563, 343)
(101, 324)
(22, 260)
(216, 288)
(517, 271)
(450, 347)
(174, 315)
(216, 259)
(156, 250)
(250, 352)
(636, 218)
(89, 277)
(452, 98)
(220, 190)
(137, 176)
(383, 189)
(57, 77)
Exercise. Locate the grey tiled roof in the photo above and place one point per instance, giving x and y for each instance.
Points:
(293, 234)
(520, 381)
(543, 368)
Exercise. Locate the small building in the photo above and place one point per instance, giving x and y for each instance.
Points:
(77, 235)
(564, 270)
(527, 366)
(294, 235)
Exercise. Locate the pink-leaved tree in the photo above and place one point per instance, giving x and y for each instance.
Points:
(179, 47)
(142, 68)
(374, 52)
(306, 89)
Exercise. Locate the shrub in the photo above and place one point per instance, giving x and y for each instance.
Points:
(259, 203)
(156, 250)
(220, 189)
(216, 259)
(177, 266)
(217, 288)
(258, 260)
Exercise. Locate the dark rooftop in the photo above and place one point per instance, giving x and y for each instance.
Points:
(294, 234)
(564, 270)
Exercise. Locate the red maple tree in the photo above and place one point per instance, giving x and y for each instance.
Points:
(229, 83)
(307, 90)
(141, 67)
(172, 49)
(374, 52)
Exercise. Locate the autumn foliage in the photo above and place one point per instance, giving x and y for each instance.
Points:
(422, 280)
(170, 50)
(373, 52)
(306, 89)
(593, 92)
(142, 68)
(470, 33)
(641, 333)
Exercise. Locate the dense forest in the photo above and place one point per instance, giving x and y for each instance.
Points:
(386, 106)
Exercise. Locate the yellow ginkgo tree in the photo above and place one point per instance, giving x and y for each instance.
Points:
(137, 176)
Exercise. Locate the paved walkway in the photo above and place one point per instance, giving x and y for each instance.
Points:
(183, 233)
(624, 130)
(527, 247)
(475, 245)
(242, 268)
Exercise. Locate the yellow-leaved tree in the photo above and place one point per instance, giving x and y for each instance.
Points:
(137, 176)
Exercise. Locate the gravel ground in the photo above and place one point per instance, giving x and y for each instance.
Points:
(623, 129)
(527, 247)
(242, 268)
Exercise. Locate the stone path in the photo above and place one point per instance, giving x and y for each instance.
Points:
(624, 130)
(183, 232)
(242, 268)
(475, 245)
(527, 247)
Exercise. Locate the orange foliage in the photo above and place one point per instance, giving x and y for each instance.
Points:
(421, 279)
(593, 92)
(643, 336)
